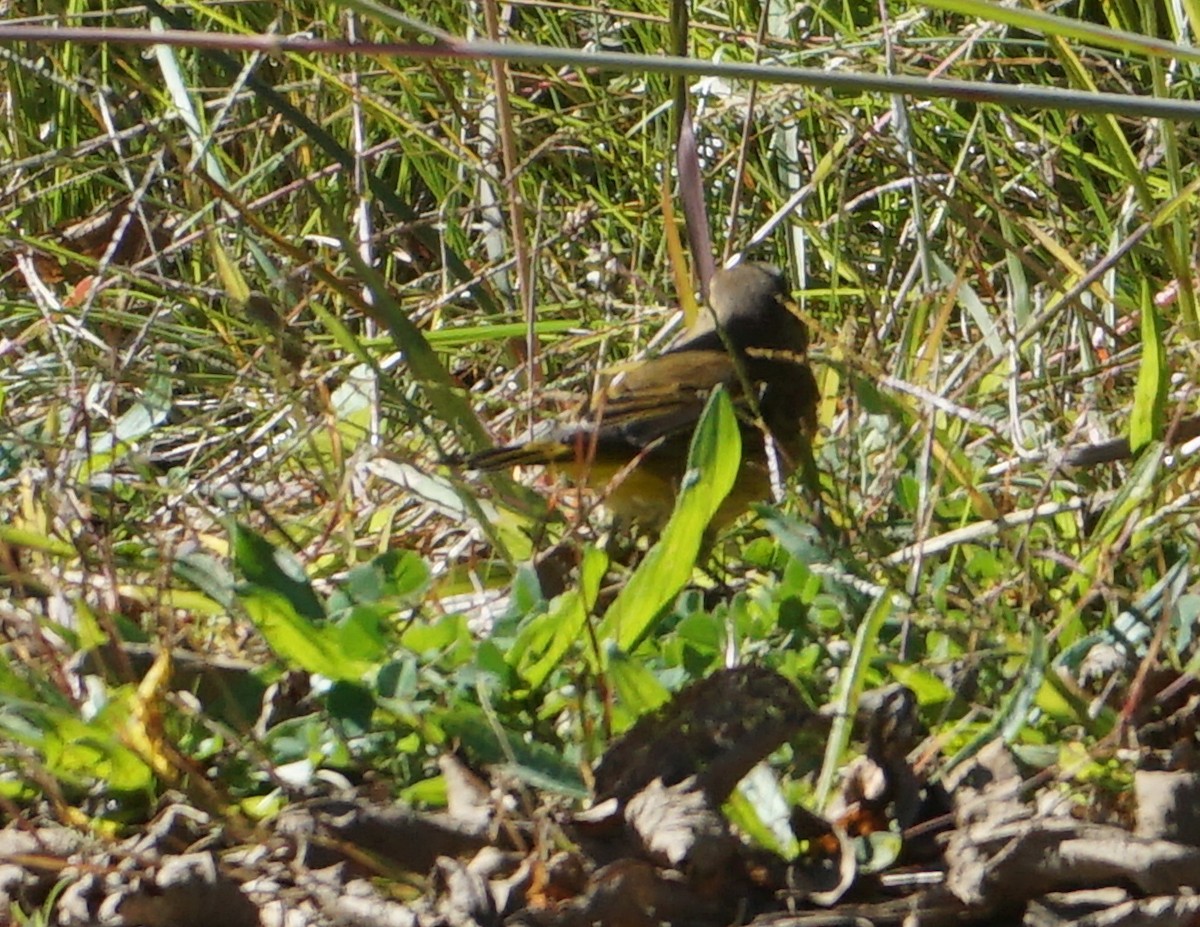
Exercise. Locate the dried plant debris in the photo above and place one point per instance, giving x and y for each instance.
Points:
(656, 846)
(715, 730)
(122, 233)
(1168, 805)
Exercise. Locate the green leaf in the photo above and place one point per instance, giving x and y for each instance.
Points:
(877, 851)
(435, 635)
(150, 410)
(548, 637)
(394, 577)
(1069, 27)
(297, 640)
(760, 809)
(485, 741)
(428, 793)
(1013, 713)
(637, 689)
(713, 462)
(352, 706)
(970, 301)
(88, 754)
(427, 369)
(1150, 394)
(928, 687)
(354, 403)
(360, 634)
(36, 541)
(1136, 488)
(207, 574)
(276, 571)
(82, 753)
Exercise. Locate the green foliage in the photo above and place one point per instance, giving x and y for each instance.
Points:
(332, 311)
(75, 752)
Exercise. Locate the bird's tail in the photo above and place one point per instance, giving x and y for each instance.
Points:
(531, 453)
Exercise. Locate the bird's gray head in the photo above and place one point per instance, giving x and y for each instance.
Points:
(749, 301)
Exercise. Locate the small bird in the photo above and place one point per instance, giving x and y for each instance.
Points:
(639, 425)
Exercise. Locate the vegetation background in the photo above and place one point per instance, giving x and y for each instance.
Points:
(225, 411)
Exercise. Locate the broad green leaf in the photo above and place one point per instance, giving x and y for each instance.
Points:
(434, 634)
(208, 574)
(926, 685)
(91, 757)
(361, 634)
(276, 571)
(297, 640)
(760, 809)
(395, 577)
(352, 707)
(539, 764)
(713, 462)
(637, 689)
(548, 637)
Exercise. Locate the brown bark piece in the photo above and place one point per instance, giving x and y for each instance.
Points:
(1168, 806)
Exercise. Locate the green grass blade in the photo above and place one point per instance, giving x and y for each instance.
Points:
(850, 687)
(1063, 27)
(1150, 394)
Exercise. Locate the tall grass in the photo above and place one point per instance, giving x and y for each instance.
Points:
(338, 292)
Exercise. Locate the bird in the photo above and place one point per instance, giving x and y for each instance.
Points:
(630, 440)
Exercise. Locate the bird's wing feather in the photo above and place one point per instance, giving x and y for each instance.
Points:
(656, 400)
(660, 398)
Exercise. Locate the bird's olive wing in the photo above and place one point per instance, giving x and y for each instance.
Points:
(661, 398)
